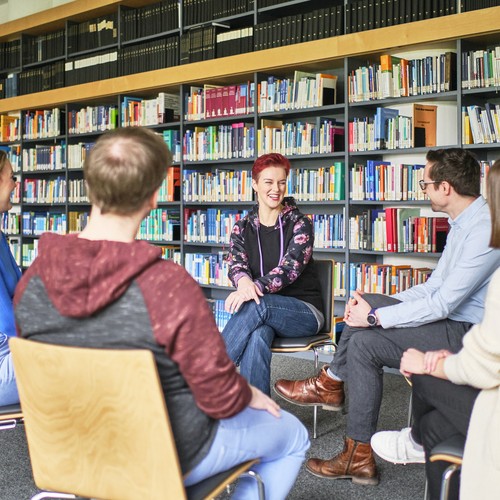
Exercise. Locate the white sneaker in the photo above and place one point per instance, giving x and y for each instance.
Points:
(397, 447)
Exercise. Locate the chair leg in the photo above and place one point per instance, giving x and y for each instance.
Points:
(315, 408)
(260, 483)
(410, 410)
(426, 490)
(51, 494)
(445, 483)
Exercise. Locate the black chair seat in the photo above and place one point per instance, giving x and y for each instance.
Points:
(10, 409)
(452, 447)
(299, 343)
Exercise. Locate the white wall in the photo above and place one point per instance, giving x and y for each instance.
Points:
(14, 9)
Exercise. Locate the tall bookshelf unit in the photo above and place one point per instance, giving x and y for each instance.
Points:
(337, 55)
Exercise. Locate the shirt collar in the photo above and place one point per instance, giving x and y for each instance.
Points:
(468, 214)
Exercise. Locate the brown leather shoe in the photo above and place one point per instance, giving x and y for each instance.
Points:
(321, 390)
(355, 462)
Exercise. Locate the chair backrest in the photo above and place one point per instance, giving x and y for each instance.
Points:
(324, 269)
(96, 422)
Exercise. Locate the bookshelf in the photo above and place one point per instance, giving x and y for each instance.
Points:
(467, 32)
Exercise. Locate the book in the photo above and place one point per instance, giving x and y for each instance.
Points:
(424, 125)
(381, 134)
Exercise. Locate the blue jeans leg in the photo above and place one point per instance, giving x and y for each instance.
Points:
(8, 388)
(280, 443)
(285, 316)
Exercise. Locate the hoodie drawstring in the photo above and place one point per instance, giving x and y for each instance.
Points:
(260, 247)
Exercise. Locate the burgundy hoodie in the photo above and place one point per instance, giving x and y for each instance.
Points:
(107, 294)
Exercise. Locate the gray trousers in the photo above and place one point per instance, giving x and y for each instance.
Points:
(363, 352)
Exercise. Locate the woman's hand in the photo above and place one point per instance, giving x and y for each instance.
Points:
(260, 401)
(412, 363)
(247, 290)
(431, 359)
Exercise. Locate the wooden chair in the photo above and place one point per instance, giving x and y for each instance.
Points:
(451, 450)
(97, 425)
(10, 416)
(324, 268)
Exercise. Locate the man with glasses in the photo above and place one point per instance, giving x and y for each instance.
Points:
(430, 316)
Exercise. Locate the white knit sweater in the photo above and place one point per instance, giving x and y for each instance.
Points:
(478, 365)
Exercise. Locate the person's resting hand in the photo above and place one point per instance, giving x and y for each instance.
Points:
(261, 401)
(247, 290)
(431, 359)
(357, 311)
(412, 363)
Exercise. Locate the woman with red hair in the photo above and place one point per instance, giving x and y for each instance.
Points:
(271, 266)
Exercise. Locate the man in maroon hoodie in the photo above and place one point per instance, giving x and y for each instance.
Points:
(103, 289)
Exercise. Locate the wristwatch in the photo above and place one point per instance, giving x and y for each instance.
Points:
(372, 318)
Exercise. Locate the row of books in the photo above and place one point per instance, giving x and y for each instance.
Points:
(13, 152)
(43, 123)
(160, 225)
(365, 134)
(10, 54)
(169, 252)
(172, 138)
(208, 268)
(93, 34)
(317, 184)
(44, 157)
(200, 44)
(385, 278)
(234, 42)
(329, 230)
(36, 223)
(10, 128)
(221, 185)
(29, 253)
(77, 191)
(400, 77)
(216, 101)
(364, 15)
(221, 316)
(481, 68)
(397, 230)
(149, 56)
(45, 190)
(15, 195)
(385, 181)
(300, 138)
(468, 5)
(159, 17)
(39, 48)
(203, 11)
(481, 125)
(11, 223)
(304, 90)
(48, 77)
(298, 28)
(77, 221)
(137, 111)
(212, 225)
(218, 142)
(91, 68)
(92, 119)
(77, 154)
(170, 190)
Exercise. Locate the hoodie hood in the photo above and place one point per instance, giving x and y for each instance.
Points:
(83, 276)
(288, 210)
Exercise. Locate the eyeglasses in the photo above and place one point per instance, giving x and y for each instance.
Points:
(423, 184)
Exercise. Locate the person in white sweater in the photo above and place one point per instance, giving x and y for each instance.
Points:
(457, 394)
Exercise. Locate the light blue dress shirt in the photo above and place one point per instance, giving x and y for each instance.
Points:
(457, 287)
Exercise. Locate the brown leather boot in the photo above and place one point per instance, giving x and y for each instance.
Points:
(355, 462)
(321, 390)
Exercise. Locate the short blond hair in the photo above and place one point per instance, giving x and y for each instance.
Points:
(124, 168)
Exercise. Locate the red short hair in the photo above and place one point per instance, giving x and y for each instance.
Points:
(269, 160)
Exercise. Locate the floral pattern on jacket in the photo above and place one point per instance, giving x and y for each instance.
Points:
(297, 254)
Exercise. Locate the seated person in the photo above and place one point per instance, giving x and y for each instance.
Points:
(272, 268)
(9, 276)
(103, 289)
(457, 394)
(433, 315)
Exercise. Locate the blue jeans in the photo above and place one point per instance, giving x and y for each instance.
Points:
(250, 332)
(8, 388)
(280, 443)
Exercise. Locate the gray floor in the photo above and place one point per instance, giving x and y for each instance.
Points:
(397, 482)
